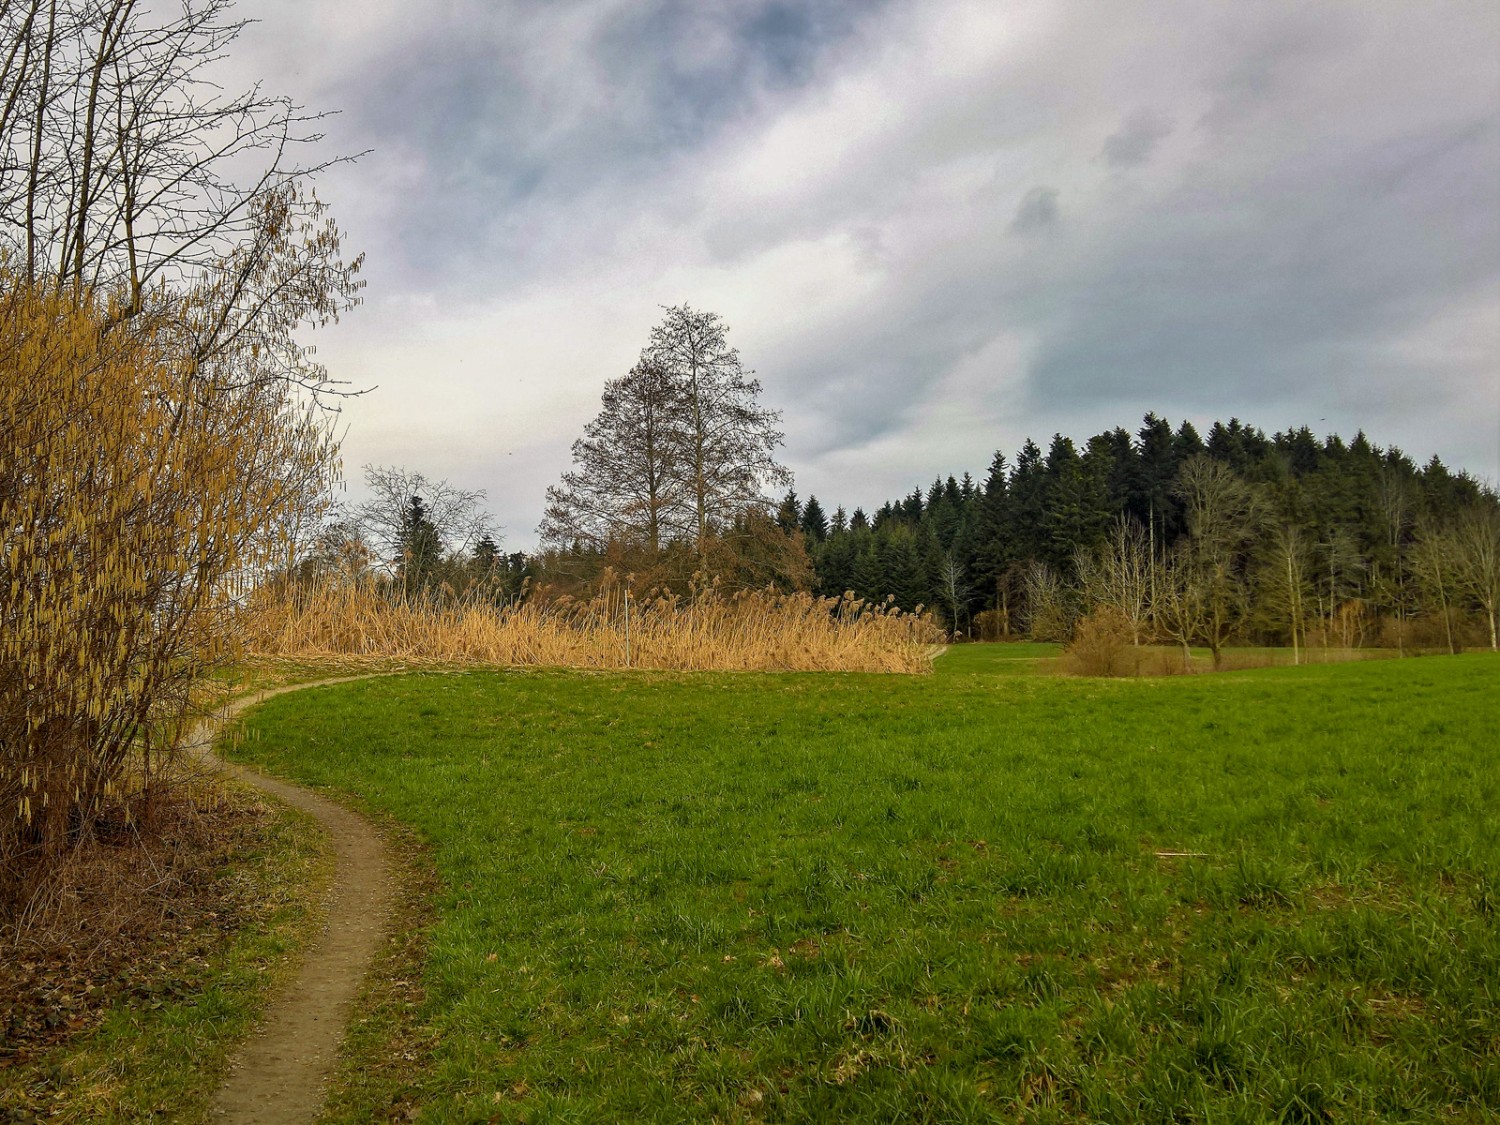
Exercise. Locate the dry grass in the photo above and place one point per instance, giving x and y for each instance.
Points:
(747, 631)
(1102, 645)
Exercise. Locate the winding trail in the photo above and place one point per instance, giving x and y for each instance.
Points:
(279, 1076)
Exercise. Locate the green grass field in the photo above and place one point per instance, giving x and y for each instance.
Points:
(859, 898)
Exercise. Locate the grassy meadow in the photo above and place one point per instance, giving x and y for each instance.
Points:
(984, 895)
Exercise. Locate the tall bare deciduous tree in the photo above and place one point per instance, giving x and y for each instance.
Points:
(1396, 512)
(1049, 604)
(1286, 557)
(1223, 513)
(629, 482)
(1432, 557)
(729, 461)
(1474, 540)
(1178, 599)
(680, 451)
(1118, 573)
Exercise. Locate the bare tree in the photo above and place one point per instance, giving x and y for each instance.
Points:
(1118, 574)
(1396, 514)
(1284, 579)
(124, 166)
(1178, 606)
(628, 482)
(1474, 540)
(1436, 574)
(729, 462)
(1223, 513)
(955, 586)
(1049, 605)
(456, 515)
(1339, 582)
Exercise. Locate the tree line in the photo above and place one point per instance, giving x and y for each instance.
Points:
(1235, 536)
(1199, 540)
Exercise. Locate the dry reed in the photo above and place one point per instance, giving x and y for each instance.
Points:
(747, 631)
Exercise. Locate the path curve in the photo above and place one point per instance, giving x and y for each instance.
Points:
(279, 1077)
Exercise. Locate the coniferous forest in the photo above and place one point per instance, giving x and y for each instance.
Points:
(1276, 539)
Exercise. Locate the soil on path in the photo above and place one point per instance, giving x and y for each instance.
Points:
(279, 1076)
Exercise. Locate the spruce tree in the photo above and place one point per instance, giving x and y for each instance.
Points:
(814, 522)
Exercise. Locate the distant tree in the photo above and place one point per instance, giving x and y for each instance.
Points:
(1434, 566)
(1117, 573)
(630, 476)
(954, 585)
(1049, 604)
(419, 547)
(338, 549)
(1474, 540)
(389, 518)
(1284, 584)
(1396, 511)
(814, 522)
(755, 552)
(1223, 513)
(1152, 501)
(1341, 576)
(730, 440)
(486, 554)
(1026, 531)
(1179, 599)
(789, 514)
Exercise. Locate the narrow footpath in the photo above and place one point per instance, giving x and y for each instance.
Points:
(279, 1077)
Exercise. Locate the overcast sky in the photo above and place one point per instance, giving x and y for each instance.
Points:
(934, 227)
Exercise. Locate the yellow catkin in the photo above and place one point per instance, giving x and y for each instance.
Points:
(137, 483)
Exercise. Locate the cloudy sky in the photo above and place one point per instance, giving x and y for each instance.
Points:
(934, 227)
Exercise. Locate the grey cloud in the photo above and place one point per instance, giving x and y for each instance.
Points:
(1037, 211)
(1275, 280)
(1136, 140)
(522, 111)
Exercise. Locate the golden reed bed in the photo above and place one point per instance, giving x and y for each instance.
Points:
(749, 631)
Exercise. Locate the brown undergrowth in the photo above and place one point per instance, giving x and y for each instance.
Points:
(133, 920)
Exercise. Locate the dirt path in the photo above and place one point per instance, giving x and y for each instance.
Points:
(279, 1076)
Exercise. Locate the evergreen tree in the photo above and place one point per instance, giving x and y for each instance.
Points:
(789, 515)
(420, 548)
(814, 522)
